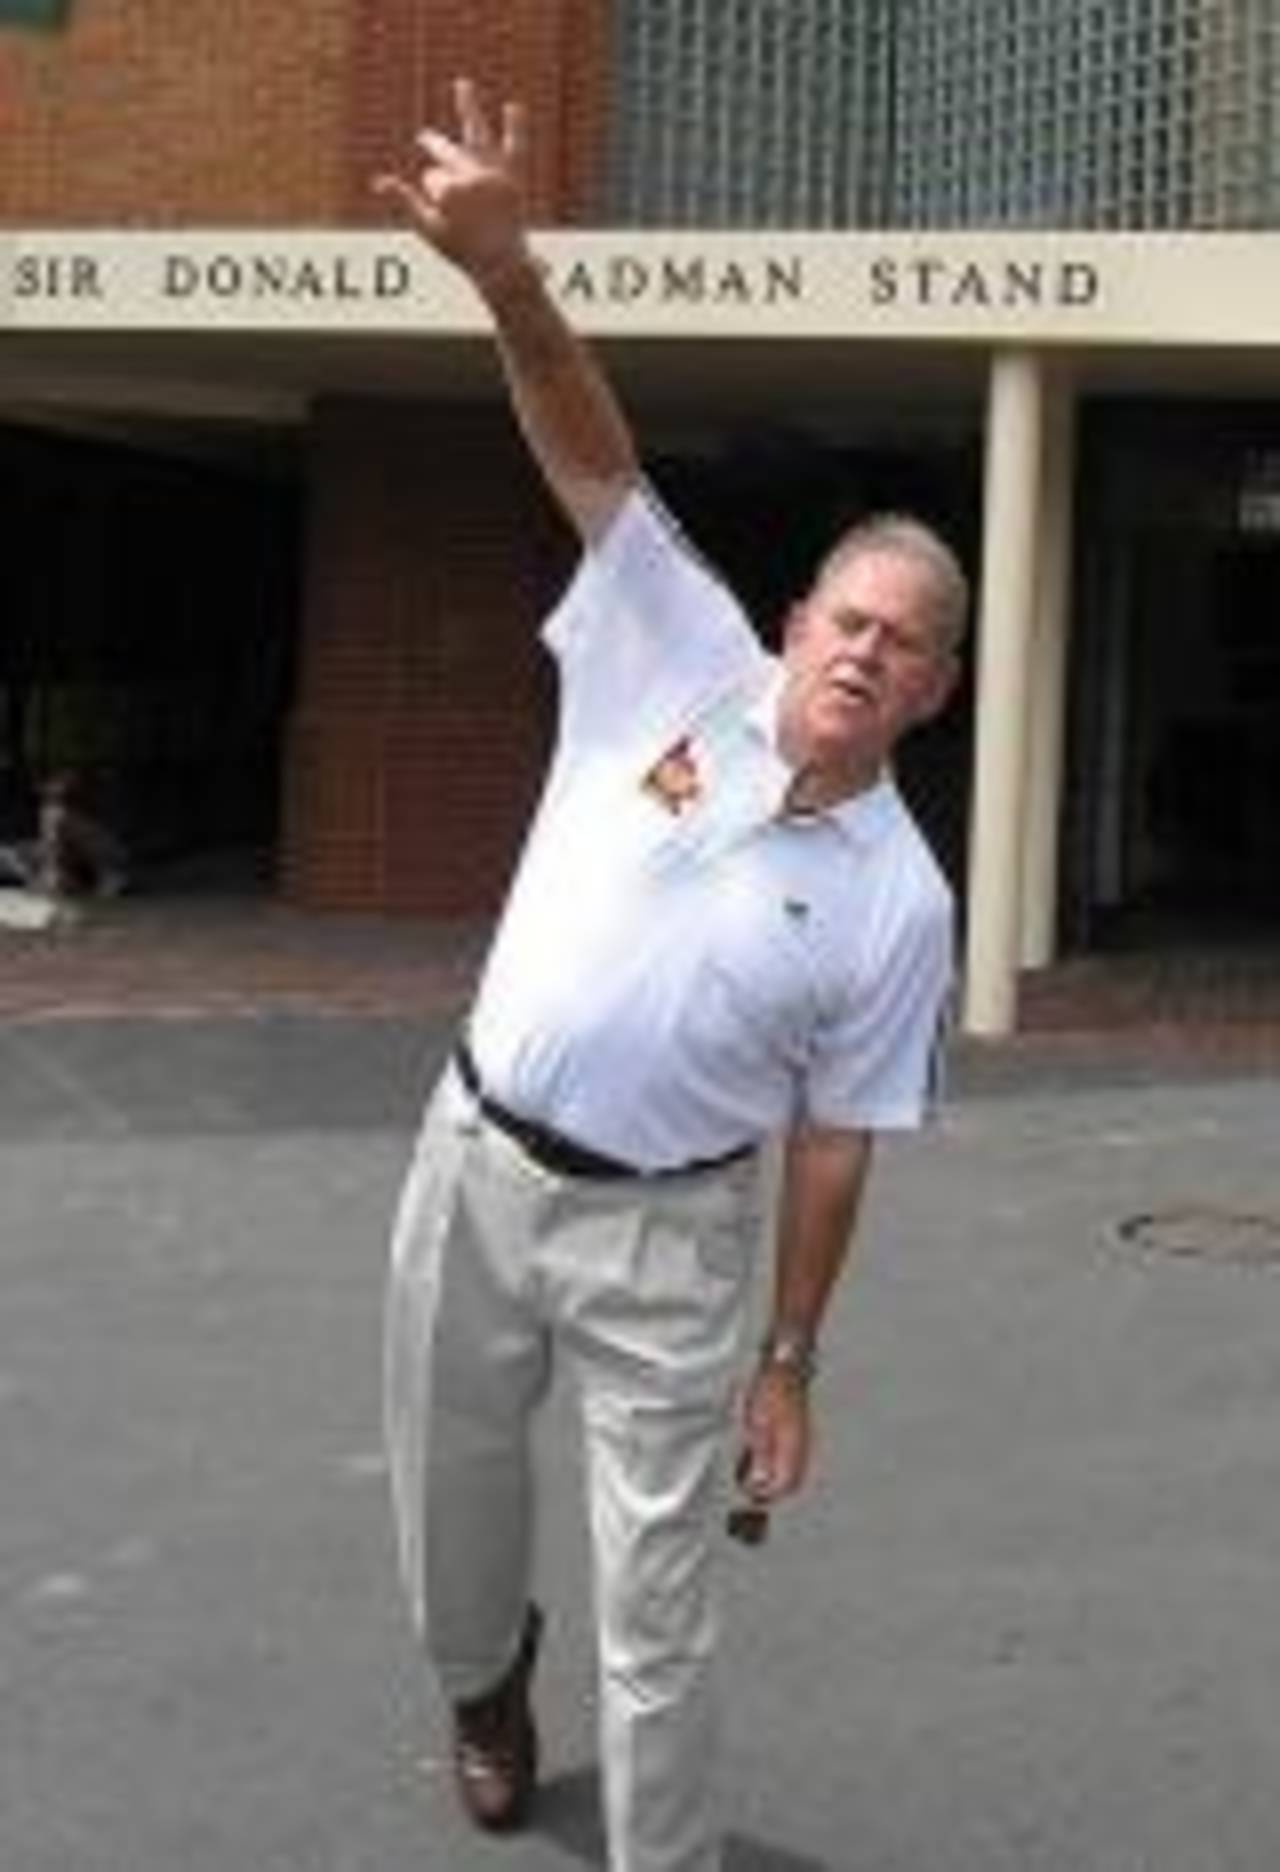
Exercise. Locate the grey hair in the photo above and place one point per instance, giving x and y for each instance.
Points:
(908, 538)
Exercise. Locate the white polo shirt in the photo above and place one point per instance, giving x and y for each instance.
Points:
(678, 969)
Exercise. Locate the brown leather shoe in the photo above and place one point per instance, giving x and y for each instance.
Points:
(495, 1743)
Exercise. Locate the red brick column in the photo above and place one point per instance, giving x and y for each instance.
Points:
(421, 724)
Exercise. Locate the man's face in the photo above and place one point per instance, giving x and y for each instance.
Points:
(864, 662)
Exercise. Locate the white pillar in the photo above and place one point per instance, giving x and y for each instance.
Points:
(1048, 704)
(1010, 522)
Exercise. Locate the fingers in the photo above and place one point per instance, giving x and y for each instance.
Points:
(776, 1473)
(476, 138)
(758, 1461)
(447, 160)
(475, 147)
(772, 1471)
(413, 200)
(444, 150)
(397, 186)
(472, 120)
(776, 1439)
(469, 182)
(515, 135)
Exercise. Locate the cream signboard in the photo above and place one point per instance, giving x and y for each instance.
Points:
(1087, 289)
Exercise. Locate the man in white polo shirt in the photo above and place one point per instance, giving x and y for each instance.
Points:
(724, 929)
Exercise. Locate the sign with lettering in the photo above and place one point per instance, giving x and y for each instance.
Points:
(1085, 289)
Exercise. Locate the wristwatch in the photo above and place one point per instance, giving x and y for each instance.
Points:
(793, 1350)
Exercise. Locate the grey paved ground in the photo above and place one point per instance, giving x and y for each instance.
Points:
(1028, 1620)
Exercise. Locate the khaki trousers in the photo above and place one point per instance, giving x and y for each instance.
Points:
(640, 1286)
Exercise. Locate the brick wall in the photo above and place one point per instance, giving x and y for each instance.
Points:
(420, 729)
(170, 113)
(415, 748)
(232, 113)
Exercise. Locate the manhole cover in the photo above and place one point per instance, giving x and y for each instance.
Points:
(1201, 1233)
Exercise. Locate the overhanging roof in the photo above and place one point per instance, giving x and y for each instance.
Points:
(888, 335)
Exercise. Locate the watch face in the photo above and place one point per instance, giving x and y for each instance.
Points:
(793, 1351)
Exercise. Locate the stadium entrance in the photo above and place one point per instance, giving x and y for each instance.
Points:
(150, 617)
(1175, 792)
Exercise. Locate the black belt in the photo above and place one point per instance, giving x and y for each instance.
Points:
(560, 1154)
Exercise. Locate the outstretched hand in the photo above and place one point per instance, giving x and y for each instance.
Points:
(468, 199)
(467, 203)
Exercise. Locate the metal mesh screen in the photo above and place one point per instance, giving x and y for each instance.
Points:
(947, 113)
(762, 113)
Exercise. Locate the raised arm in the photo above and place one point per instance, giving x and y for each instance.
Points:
(467, 202)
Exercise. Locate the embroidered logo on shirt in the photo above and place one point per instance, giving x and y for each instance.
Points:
(674, 780)
(715, 782)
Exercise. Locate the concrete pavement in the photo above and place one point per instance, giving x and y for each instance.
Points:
(1024, 1623)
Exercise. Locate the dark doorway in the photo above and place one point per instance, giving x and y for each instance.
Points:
(1176, 752)
(1212, 803)
(150, 615)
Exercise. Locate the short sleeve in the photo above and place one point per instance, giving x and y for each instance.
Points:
(646, 628)
(878, 1064)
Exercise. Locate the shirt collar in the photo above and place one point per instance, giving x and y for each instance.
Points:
(862, 817)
